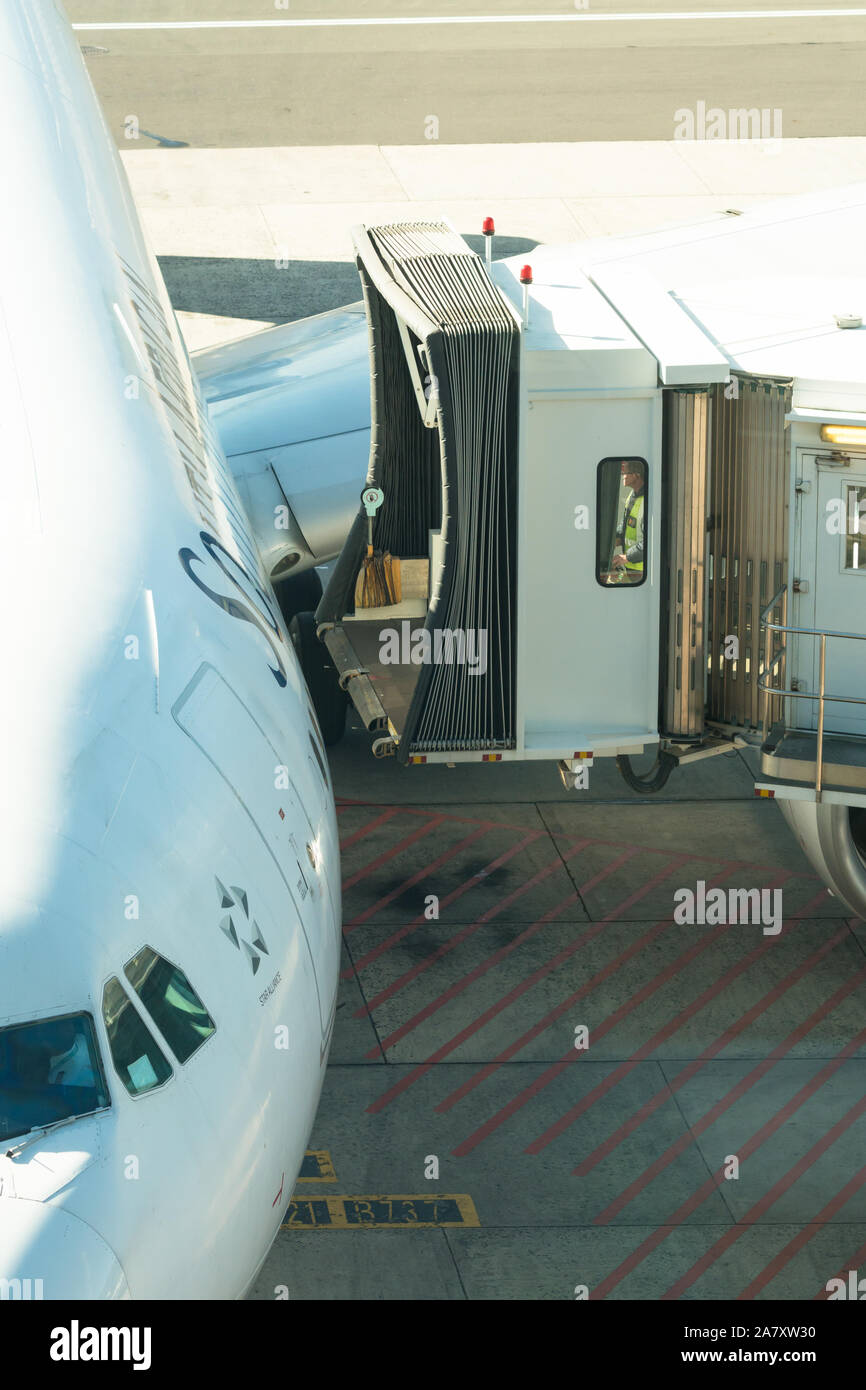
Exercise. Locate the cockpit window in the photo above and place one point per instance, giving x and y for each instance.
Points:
(171, 1001)
(49, 1071)
(137, 1059)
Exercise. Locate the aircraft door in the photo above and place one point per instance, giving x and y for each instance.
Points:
(229, 736)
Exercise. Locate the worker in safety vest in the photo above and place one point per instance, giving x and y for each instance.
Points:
(631, 533)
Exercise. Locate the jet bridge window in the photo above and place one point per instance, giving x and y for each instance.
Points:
(137, 1059)
(855, 538)
(171, 1001)
(49, 1071)
(621, 511)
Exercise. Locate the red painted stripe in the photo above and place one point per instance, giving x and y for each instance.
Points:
(712, 1183)
(423, 1067)
(736, 1093)
(662, 1096)
(662, 1034)
(466, 980)
(803, 1237)
(610, 844)
(499, 1118)
(444, 902)
(779, 1188)
(452, 943)
(370, 825)
(449, 816)
(390, 853)
(854, 1263)
(520, 989)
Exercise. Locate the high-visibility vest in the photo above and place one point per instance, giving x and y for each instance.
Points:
(632, 530)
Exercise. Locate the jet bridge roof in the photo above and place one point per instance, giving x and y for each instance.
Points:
(574, 337)
(757, 293)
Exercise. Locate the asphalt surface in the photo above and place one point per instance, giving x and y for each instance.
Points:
(601, 72)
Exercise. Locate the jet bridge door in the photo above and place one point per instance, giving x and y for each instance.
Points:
(840, 590)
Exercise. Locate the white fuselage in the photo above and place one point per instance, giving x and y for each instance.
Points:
(160, 746)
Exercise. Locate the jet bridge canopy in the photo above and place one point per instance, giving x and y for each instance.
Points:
(443, 451)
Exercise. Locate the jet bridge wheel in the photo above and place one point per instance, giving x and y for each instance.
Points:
(834, 840)
(329, 701)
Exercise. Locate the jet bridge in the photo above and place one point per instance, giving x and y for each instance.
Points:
(609, 537)
(496, 442)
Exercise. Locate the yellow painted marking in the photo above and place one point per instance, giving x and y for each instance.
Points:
(350, 1213)
(317, 1167)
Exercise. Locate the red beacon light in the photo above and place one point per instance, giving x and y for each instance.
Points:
(526, 281)
(488, 229)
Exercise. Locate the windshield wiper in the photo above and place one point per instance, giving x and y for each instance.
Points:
(37, 1132)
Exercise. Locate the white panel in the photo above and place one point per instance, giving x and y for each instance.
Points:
(587, 654)
(685, 354)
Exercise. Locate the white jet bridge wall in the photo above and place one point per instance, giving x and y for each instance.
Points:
(587, 652)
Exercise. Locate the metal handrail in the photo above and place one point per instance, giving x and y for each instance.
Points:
(771, 661)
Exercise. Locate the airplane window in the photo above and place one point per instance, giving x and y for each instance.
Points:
(621, 512)
(49, 1071)
(171, 1001)
(137, 1058)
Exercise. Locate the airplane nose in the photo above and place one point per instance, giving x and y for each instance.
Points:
(45, 1252)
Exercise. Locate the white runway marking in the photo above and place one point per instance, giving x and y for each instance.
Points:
(395, 20)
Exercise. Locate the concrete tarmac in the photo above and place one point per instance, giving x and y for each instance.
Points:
(538, 1093)
(412, 74)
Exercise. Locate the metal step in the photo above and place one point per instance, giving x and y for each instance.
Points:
(793, 759)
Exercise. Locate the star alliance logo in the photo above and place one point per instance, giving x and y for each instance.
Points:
(236, 900)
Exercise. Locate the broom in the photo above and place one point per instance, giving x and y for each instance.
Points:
(378, 583)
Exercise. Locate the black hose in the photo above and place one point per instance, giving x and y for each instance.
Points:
(652, 781)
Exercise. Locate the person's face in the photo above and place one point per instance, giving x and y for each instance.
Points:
(631, 477)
